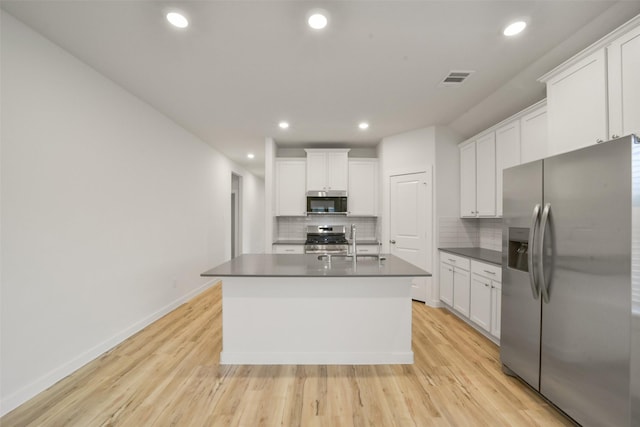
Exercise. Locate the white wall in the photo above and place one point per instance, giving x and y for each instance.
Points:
(110, 211)
(408, 152)
(428, 149)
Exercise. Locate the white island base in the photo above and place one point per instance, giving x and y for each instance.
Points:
(316, 320)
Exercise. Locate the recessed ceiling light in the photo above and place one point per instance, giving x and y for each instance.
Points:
(363, 125)
(515, 28)
(250, 155)
(177, 20)
(283, 125)
(318, 20)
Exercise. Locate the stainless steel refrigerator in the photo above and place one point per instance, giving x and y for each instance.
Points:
(571, 281)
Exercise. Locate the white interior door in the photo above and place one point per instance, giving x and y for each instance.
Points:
(410, 224)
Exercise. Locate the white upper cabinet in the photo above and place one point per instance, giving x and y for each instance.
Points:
(486, 176)
(485, 156)
(468, 180)
(327, 170)
(363, 187)
(478, 177)
(290, 188)
(593, 97)
(507, 155)
(316, 170)
(624, 84)
(534, 134)
(577, 105)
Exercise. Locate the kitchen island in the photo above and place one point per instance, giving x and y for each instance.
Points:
(305, 309)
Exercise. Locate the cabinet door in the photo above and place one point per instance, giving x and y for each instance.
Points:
(446, 283)
(496, 308)
(461, 291)
(290, 188)
(468, 180)
(534, 135)
(337, 171)
(316, 171)
(363, 187)
(577, 105)
(507, 155)
(480, 304)
(486, 175)
(624, 84)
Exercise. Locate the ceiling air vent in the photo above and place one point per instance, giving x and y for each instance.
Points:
(455, 78)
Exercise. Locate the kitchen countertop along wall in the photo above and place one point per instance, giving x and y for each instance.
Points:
(479, 254)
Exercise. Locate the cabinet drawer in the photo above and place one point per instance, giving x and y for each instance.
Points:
(455, 260)
(490, 271)
(368, 249)
(288, 249)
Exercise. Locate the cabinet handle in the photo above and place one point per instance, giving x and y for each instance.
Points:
(489, 272)
(393, 242)
(486, 285)
(599, 140)
(614, 136)
(452, 260)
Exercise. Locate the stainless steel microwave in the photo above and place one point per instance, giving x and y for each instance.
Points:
(326, 202)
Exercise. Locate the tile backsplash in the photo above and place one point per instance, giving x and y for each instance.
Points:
(294, 228)
(463, 233)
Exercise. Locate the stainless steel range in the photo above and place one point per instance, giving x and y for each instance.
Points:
(326, 239)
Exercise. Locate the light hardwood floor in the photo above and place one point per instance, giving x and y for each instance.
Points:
(169, 375)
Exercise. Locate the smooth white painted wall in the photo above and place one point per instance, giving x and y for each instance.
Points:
(110, 211)
(419, 150)
(408, 152)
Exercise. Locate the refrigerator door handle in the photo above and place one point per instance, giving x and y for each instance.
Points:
(544, 287)
(535, 218)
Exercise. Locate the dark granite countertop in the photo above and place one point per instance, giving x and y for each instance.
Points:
(480, 254)
(308, 265)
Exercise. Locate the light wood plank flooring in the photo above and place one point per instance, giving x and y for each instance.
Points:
(168, 375)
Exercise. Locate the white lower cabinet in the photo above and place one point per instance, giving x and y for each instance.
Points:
(367, 249)
(288, 249)
(496, 308)
(446, 283)
(486, 288)
(480, 310)
(461, 291)
(473, 289)
(454, 282)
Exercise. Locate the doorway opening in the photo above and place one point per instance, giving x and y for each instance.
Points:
(236, 215)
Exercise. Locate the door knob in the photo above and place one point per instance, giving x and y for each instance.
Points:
(393, 242)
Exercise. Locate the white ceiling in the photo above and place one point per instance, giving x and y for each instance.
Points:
(242, 66)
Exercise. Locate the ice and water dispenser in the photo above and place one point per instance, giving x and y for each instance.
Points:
(518, 248)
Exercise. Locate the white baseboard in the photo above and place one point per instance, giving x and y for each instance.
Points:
(16, 399)
(434, 303)
(316, 358)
